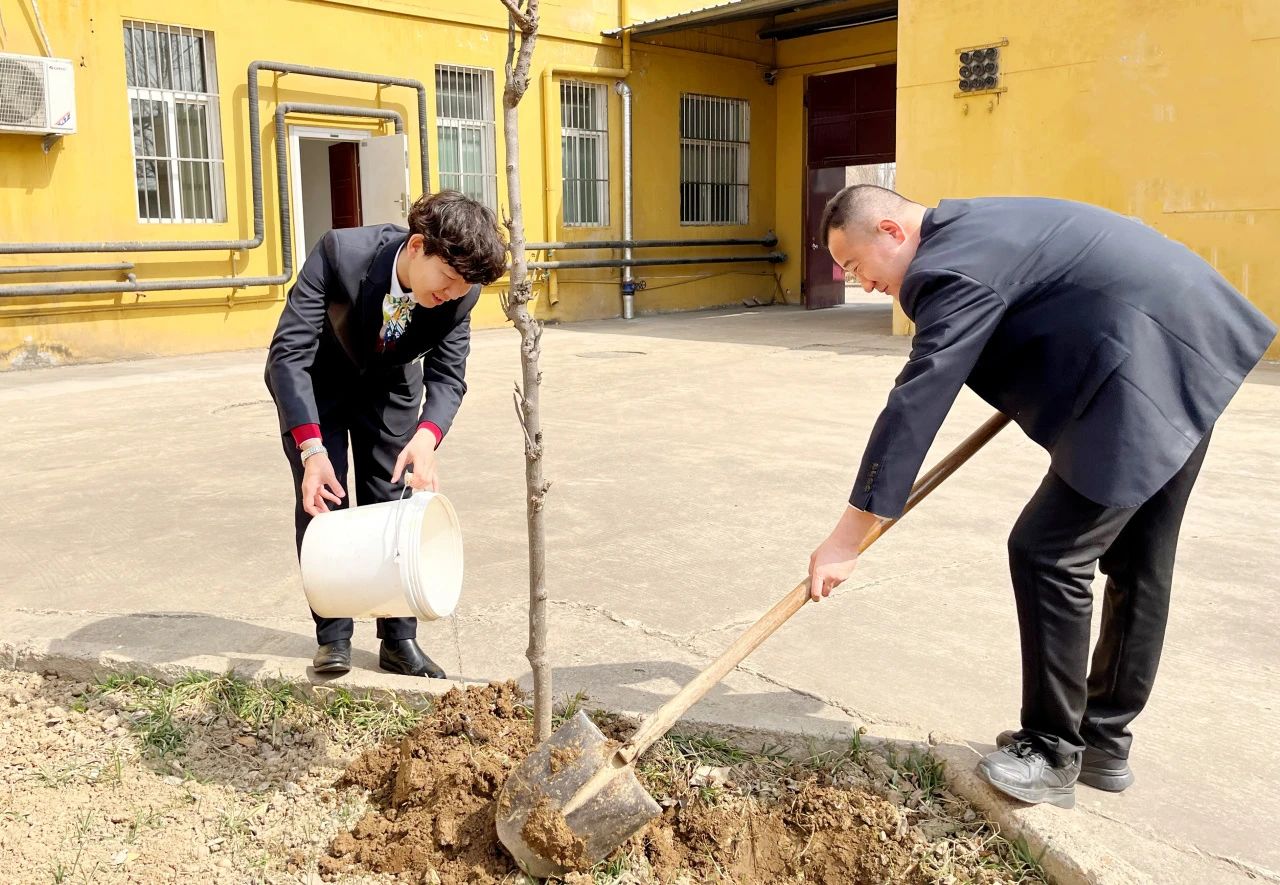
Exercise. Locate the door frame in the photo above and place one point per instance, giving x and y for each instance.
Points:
(313, 133)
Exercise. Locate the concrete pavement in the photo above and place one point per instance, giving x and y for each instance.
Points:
(696, 460)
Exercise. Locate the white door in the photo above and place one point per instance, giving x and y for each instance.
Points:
(384, 180)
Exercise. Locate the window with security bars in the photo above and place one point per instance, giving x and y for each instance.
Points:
(584, 143)
(173, 104)
(465, 132)
(715, 135)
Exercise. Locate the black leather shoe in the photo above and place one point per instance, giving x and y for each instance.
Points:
(1099, 770)
(333, 657)
(403, 656)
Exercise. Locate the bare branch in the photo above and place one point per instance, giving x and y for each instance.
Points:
(523, 22)
(518, 397)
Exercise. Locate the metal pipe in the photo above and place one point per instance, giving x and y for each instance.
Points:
(64, 268)
(286, 223)
(330, 110)
(771, 258)
(379, 79)
(255, 168)
(770, 241)
(628, 280)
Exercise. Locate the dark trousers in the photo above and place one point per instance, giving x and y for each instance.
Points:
(1053, 549)
(374, 450)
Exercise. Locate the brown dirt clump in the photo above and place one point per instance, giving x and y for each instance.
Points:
(562, 756)
(547, 833)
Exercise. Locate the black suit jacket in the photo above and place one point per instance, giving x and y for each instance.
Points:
(1112, 346)
(325, 346)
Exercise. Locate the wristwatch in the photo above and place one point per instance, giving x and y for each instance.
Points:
(317, 449)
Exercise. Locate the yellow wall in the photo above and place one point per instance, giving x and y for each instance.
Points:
(83, 189)
(1167, 111)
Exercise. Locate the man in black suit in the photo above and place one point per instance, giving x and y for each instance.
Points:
(1115, 349)
(379, 316)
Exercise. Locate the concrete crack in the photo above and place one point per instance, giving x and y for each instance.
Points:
(680, 641)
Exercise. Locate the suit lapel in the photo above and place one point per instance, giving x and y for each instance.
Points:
(373, 289)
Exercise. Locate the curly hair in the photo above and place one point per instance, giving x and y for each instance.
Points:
(463, 232)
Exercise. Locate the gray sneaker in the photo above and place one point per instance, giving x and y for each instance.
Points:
(1023, 771)
(1099, 770)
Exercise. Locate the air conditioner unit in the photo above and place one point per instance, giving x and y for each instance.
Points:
(37, 95)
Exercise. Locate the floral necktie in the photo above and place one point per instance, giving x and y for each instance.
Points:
(396, 313)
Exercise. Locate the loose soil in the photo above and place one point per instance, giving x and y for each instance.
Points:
(434, 796)
(90, 791)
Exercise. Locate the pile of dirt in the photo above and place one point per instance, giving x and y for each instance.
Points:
(433, 798)
(435, 791)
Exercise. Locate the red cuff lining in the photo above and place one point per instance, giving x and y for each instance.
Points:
(304, 432)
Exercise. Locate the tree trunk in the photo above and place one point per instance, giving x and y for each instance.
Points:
(523, 19)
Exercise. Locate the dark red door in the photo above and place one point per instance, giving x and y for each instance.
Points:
(823, 278)
(344, 183)
(851, 122)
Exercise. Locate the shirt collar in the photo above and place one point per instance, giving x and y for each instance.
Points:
(397, 291)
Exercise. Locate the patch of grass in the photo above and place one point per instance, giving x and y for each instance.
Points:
(708, 750)
(145, 819)
(1017, 859)
(236, 822)
(54, 776)
(372, 718)
(63, 873)
(149, 708)
(857, 751)
(921, 771)
(563, 712)
(162, 715)
(610, 870)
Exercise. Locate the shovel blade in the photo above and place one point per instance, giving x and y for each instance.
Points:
(546, 780)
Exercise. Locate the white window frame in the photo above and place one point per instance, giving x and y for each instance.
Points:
(215, 211)
(585, 200)
(471, 115)
(717, 193)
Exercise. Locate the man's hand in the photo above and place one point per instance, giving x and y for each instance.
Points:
(320, 484)
(420, 455)
(834, 560)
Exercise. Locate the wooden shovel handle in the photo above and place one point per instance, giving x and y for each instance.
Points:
(657, 725)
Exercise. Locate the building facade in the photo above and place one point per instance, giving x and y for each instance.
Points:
(214, 143)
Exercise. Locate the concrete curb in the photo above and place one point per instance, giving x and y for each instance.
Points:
(1060, 858)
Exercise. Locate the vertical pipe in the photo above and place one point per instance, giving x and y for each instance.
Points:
(628, 282)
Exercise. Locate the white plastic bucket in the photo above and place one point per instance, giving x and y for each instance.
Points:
(396, 559)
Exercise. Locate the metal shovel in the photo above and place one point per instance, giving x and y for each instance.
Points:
(576, 796)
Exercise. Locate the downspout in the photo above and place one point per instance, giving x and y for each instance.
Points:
(628, 278)
(551, 128)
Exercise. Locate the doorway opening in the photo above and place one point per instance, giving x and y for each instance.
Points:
(345, 178)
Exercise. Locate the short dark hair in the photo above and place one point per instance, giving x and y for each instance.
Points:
(463, 232)
(859, 206)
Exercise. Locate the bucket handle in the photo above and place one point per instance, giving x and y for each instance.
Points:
(400, 512)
